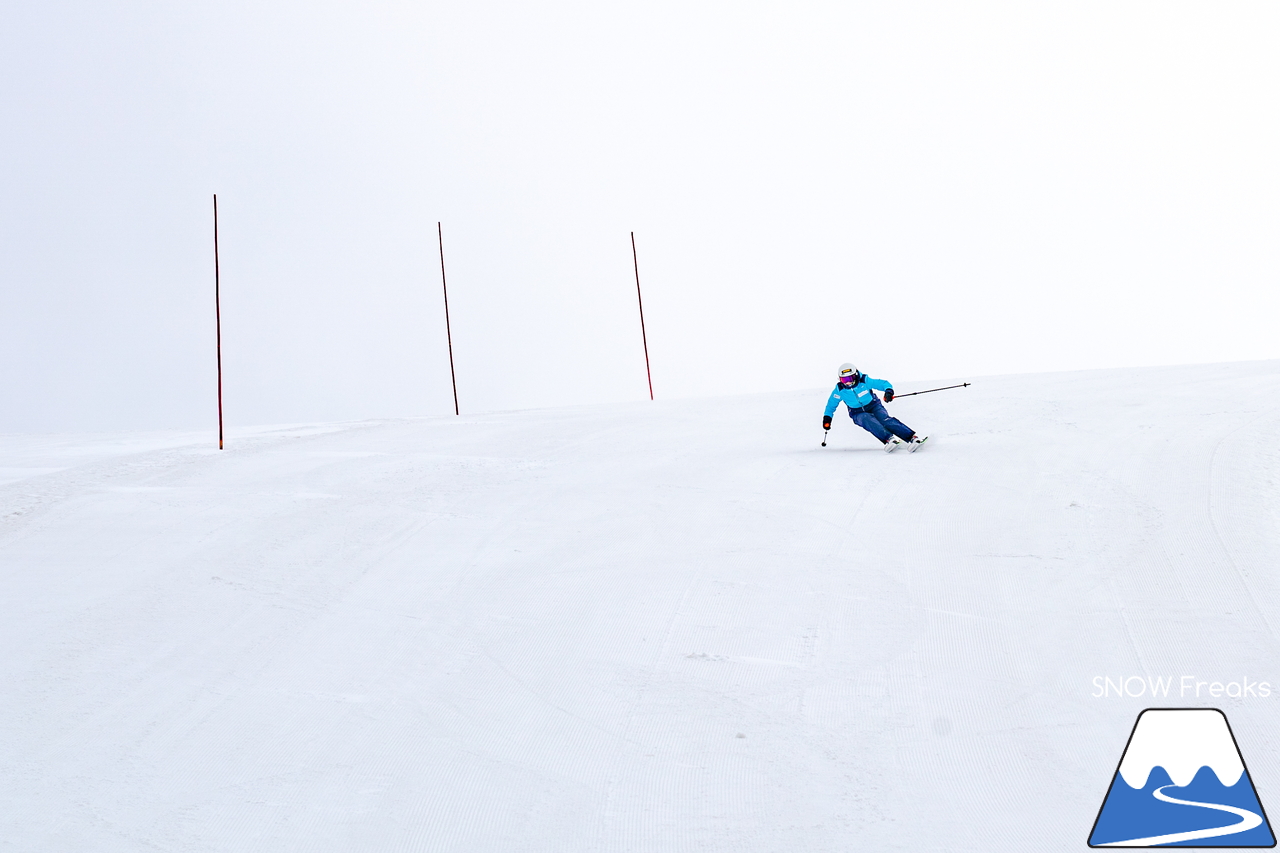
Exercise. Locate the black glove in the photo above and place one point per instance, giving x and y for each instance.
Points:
(826, 421)
(888, 395)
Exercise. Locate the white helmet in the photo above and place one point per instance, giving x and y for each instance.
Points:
(848, 373)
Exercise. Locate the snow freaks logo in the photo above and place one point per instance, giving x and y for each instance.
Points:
(1181, 782)
(1187, 686)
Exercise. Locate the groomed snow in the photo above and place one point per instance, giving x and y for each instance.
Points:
(651, 627)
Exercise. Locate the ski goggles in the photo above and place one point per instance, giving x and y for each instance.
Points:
(851, 379)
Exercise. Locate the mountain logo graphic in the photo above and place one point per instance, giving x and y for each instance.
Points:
(1181, 783)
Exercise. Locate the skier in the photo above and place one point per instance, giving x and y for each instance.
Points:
(854, 389)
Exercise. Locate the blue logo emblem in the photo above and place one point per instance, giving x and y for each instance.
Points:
(1181, 783)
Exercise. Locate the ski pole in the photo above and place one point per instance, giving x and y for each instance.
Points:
(930, 391)
(824, 437)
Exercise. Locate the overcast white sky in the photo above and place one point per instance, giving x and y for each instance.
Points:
(927, 189)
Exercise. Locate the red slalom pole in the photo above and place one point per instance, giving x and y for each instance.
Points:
(448, 333)
(635, 260)
(217, 311)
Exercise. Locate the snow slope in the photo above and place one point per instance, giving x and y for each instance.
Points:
(650, 627)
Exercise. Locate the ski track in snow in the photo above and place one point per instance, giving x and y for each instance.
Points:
(646, 627)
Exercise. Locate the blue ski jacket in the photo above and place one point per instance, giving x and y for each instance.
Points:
(857, 395)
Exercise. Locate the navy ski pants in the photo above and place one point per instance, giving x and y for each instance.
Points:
(875, 420)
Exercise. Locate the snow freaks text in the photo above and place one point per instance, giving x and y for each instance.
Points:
(1183, 687)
